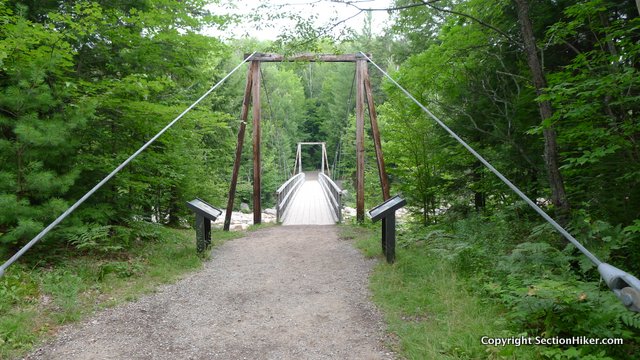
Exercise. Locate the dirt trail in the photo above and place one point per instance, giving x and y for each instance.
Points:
(294, 292)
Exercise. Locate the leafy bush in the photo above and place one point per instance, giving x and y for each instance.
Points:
(121, 269)
(64, 287)
(111, 238)
(94, 237)
(15, 287)
(548, 290)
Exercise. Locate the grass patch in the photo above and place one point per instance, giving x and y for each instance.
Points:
(254, 227)
(428, 308)
(37, 298)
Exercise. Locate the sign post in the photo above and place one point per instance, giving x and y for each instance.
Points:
(205, 214)
(387, 212)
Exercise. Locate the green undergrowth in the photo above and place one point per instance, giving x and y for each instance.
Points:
(490, 275)
(37, 296)
(429, 310)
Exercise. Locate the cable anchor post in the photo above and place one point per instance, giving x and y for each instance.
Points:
(624, 285)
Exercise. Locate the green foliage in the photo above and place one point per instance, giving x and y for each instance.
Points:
(64, 287)
(120, 269)
(427, 305)
(467, 67)
(596, 95)
(41, 114)
(96, 237)
(79, 95)
(15, 332)
(16, 288)
(545, 293)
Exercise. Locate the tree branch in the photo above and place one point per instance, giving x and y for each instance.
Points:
(353, 4)
(430, 3)
(480, 22)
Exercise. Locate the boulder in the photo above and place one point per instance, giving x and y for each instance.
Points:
(244, 207)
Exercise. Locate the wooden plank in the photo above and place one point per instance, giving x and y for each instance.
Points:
(360, 65)
(257, 208)
(307, 57)
(373, 117)
(309, 207)
(236, 164)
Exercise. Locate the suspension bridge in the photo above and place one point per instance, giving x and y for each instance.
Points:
(310, 198)
(309, 207)
(314, 198)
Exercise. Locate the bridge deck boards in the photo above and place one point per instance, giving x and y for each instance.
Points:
(309, 207)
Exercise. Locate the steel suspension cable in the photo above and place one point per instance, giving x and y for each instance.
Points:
(624, 285)
(515, 189)
(276, 139)
(338, 156)
(73, 207)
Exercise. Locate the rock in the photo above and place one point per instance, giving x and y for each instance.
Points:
(244, 207)
(349, 211)
(270, 211)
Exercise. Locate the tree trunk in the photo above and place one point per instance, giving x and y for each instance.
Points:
(551, 157)
(479, 199)
(174, 208)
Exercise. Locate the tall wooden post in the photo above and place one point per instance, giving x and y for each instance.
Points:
(257, 208)
(373, 116)
(326, 160)
(322, 158)
(236, 164)
(360, 65)
(299, 158)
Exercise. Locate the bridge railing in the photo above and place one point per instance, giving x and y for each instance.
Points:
(285, 193)
(333, 194)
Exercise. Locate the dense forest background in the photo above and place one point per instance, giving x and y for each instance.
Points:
(548, 91)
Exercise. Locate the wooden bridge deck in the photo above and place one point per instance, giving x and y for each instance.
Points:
(309, 206)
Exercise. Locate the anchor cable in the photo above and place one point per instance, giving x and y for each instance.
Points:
(624, 285)
(46, 230)
(337, 160)
(515, 189)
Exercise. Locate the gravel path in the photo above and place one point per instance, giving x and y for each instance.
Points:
(285, 292)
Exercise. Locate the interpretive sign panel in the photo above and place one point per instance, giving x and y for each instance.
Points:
(387, 212)
(394, 203)
(205, 214)
(200, 207)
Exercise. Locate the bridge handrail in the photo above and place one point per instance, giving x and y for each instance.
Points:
(333, 193)
(285, 193)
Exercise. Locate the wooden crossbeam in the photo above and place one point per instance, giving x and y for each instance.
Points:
(306, 57)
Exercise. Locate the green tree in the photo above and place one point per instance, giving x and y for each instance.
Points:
(42, 113)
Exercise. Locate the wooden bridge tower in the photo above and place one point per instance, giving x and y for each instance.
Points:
(252, 96)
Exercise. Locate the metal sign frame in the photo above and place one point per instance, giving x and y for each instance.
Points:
(387, 213)
(205, 214)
